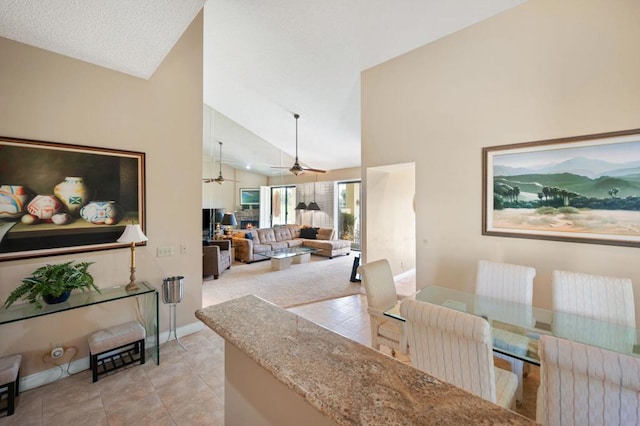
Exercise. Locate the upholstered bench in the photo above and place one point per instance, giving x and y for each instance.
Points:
(116, 347)
(10, 379)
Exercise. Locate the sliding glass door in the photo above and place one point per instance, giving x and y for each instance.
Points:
(349, 218)
(283, 203)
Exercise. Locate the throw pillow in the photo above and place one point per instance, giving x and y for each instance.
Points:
(308, 233)
(248, 235)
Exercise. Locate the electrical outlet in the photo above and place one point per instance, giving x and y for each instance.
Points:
(57, 352)
(183, 249)
(164, 251)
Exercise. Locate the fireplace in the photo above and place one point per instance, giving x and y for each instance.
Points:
(245, 222)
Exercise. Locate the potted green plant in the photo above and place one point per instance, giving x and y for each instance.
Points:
(53, 284)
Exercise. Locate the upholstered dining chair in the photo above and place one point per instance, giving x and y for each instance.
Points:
(599, 297)
(586, 385)
(456, 347)
(379, 285)
(512, 283)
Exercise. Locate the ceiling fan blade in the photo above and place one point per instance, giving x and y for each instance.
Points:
(309, 169)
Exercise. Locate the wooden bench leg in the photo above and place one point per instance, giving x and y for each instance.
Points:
(142, 352)
(11, 398)
(93, 360)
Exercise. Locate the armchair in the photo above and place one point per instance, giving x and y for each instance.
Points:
(216, 258)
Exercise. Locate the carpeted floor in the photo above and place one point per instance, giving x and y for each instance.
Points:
(320, 279)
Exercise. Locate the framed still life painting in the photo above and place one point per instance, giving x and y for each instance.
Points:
(59, 198)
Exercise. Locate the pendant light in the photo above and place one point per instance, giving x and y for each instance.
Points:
(302, 205)
(313, 205)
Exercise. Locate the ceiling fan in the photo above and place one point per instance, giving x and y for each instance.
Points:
(220, 179)
(297, 169)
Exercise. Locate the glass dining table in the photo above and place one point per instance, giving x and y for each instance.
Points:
(516, 328)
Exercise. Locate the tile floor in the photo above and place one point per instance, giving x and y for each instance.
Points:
(187, 388)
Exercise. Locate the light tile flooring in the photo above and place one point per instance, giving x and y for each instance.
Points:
(187, 388)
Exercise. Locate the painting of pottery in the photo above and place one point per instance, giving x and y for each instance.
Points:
(58, 198)
(13, 201)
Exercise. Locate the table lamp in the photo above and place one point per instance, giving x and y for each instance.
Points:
(229, 219)
(132, 234)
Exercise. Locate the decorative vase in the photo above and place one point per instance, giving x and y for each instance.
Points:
(73, 192)
(102, 212)
(44, 207)
(52, 300)
(13, 199)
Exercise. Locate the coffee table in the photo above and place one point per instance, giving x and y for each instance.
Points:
(283, 258)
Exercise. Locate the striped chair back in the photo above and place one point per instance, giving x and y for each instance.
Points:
(453, 346)
(586, 385)
(594, 296)
(505, 281)
(602, 298)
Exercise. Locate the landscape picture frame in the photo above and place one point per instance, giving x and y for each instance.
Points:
(250, 196)
(59, 198)
(583, 189)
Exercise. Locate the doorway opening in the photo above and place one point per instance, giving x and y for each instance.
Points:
(350, 213)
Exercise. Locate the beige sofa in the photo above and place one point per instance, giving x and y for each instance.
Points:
(250, 243)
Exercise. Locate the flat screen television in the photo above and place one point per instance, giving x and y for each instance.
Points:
(207, 215)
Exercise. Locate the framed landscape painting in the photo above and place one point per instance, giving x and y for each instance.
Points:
(580, 189)
(59, 198)
(250, 197)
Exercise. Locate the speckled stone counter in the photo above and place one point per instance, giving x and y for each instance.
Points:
(349, 383)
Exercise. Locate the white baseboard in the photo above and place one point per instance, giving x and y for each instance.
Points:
(405, 274)
(51, 375)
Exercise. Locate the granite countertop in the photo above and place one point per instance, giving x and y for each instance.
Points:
(350, 383)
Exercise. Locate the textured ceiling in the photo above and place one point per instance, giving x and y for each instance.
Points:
(263, 60)
(128, 36)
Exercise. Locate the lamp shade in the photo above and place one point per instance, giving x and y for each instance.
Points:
(313, 206)
(132, 234)
(301, 206)
(229, 219)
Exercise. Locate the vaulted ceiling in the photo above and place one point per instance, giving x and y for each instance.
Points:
(263, 61)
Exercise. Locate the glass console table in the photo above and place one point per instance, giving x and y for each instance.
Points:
(149, 310)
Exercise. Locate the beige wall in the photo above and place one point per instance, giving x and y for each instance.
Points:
(545, 69)
(389, 205)
(46, 96)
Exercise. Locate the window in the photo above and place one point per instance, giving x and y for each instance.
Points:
(283, 203)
